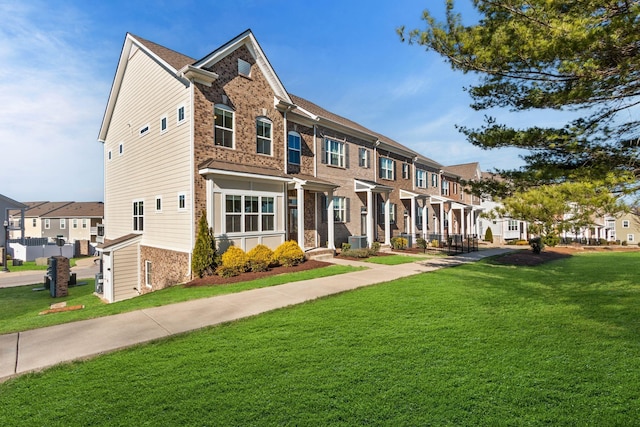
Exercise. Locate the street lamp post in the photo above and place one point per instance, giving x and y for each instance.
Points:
(6, 246)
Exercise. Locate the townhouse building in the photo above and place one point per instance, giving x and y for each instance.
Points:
(221, 136)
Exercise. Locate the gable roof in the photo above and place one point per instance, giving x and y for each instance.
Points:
(44, 208)
(467, 171)
(13, 204)
(78, 210)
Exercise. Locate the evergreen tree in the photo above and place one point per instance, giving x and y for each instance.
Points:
(204, 252)
(581, 55)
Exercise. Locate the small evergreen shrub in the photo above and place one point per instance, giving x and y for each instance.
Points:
(375, 248)
(260, 258)
(488, 235)
(536, 245)
(288, 254)
(422, 243)
(624, 243)
(356, 253)
(551, 239)
(346, 246)
(235, 259)
(203, 259)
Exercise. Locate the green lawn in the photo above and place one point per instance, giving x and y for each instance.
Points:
(394, 259)
(19, 306)
(480, 344)
(31, 265)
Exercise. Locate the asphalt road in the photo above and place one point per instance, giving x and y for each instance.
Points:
(85, 269)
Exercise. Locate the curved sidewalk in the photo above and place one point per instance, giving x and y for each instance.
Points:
(41, 348)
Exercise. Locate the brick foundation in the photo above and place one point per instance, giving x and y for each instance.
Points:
(168, 268)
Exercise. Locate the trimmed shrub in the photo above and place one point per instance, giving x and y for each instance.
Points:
(624, 243)
(488, 235)
(435, 243)
(260, 258)
(356, 253)
(422, 243)
(399, 243)
(346, 246)
(375, 248)
(235, 260)
(536, 245)
(288, 254)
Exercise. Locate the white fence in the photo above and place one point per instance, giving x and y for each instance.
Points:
(30, 253)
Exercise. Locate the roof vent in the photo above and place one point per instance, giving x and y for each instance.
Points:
(244, 68)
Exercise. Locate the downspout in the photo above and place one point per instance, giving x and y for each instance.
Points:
(315, 159)
(192, 171)
(286, 143)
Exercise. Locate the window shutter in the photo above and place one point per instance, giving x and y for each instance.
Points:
(394, 169)
(348, 209)
(346, 155)
(367, 159)
(323, 152)
(380, 167)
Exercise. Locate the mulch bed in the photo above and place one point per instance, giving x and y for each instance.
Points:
(244, 277)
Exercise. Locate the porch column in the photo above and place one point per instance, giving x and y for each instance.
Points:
(412, 230)
(300, 194)
(387, 221)
(330, 226)
(425, 220)
(450, 220)
(441, 218)
(370, 232)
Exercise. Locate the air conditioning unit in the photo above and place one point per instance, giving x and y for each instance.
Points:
(99, 284)
(358, 242)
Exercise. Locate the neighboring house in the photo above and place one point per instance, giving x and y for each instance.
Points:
(503, 229)
(38, 224)
(222, 136)
(11, 214)
(75, 221)
(627, 227)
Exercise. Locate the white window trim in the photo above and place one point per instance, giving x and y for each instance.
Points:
(166, 123)
(242, 195)
(184, 114)
(63, 223)
(421, 183)
(182, 194)
(298, 150)
(630, 238)
(84, 223)
(233, 124)
(138, 216)
(144, 130)
(74, 223)
(155, 206)
(390, 167)
(47, 223)
(147, 273)
(270, 139)
(406, 170)
(340, 153)
(625, 223)
(363, 162)
(340, 206)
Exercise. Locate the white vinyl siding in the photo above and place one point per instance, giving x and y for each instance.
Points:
(148, 92)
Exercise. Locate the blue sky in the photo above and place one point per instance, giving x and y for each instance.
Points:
(59, 58)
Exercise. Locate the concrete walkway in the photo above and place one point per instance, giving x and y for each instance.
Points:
(41, 348)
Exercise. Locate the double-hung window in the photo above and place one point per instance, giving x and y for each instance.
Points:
(263, 136)
(340, 209)
(334, 153)
(513, 225)
(84, 222)
(63, 223)
(406, 171)
(294, 148)
(421, 178)
(363, 157)
(445, 187)
(249, 213)
(74, 223)
(625, 223)
(180, 114)
(138, 215)
(434, 180)
(223, 126)
(392, 213)
(387, 167)
(47, 223)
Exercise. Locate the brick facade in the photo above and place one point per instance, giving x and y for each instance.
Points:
(167, 268)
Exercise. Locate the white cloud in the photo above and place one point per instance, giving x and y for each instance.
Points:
(51, 106)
